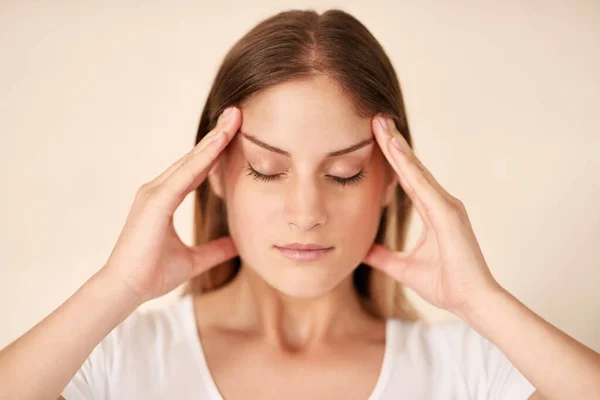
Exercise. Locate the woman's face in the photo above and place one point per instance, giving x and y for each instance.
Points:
(284, 183)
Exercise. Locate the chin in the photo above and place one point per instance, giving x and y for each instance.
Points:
(304, 291)
(303, 279)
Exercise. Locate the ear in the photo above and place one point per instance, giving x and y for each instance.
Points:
(390, 191)
(215, 177)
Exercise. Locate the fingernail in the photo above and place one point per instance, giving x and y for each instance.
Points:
(383, 123)
(227, 114)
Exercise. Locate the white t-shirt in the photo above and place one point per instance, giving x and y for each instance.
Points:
(157, 354)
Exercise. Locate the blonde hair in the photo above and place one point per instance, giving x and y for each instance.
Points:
(300, 44)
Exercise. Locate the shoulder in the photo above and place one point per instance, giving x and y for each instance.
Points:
(142, 337)
(151, 326)
(458, 358)
(135, 356)
(452, 339)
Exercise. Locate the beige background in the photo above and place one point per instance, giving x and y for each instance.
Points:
(503, 100)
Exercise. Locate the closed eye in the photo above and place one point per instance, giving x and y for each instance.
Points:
(339, 180)
(258, 176)
(350, 180)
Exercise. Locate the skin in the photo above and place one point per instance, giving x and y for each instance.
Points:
(267, 335)
(447, 269)
(307, 338)
(287, 318)
(284, 315)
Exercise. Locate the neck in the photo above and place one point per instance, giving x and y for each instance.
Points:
(291, 322)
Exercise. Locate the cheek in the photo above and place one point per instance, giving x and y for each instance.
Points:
(250, 212)
(363, 200)
(358, 215)
(250, 207)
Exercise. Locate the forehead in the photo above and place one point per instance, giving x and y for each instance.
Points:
(304, 113)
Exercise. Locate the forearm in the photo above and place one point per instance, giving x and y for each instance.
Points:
(558, 366)
(39, 364)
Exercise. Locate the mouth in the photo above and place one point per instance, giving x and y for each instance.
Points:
(304, 252)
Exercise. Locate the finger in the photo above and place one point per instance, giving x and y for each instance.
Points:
(390, 262)
(195, 168)
(406, 149)
(213, 253)
(199, 147)
(434, 198)
(382, 140)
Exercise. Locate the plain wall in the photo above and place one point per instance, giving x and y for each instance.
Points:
(503, 101)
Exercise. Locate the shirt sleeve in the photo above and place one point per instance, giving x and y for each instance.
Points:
(483, 369)
(90, 381)
(504, 380)
(80, 387)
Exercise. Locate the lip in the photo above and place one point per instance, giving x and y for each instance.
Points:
(303, 246)
(304, 252)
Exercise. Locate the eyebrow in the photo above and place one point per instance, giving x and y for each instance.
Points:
(274, 149)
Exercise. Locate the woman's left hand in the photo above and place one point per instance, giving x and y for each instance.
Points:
(446, 267)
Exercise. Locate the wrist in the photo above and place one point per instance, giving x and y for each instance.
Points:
(114, 288)
(483, 305)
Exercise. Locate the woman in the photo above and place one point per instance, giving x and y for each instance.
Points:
(295, 284)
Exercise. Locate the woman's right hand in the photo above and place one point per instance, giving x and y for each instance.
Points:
(149, 257)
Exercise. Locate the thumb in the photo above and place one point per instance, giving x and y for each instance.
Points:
(390, 262)
(208, 255)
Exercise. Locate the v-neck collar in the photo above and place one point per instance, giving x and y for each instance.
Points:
(211, 386)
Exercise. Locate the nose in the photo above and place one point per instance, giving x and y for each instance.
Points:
(305, 205)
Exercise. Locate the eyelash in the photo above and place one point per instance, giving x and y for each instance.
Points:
(341, 181)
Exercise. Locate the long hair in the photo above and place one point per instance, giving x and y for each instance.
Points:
(296, 45)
